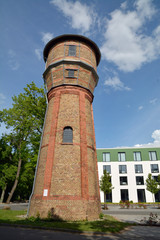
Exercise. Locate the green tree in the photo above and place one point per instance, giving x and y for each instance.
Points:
(25, 121)
(105, 184)
(152, 185)
(7, 166)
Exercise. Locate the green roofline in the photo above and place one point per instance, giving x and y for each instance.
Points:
(129, 153)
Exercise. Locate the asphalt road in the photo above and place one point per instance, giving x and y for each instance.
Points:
(136, 232)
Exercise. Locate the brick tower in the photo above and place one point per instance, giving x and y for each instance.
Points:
(66, 181)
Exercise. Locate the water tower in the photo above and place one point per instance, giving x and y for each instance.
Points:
(66, 181)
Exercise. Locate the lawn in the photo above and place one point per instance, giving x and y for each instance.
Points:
(108, 224)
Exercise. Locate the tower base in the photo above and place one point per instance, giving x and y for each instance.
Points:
(66, 209)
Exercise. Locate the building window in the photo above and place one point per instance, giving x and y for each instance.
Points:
(152, 156)
(121, 157)
(122, 169)
(155, 178)
(137, 156)
(141, 195)
(124, 195)
(139, 180)
(106, 157)
(138, 169)
(154, 168)
(67, 135)
(72, 50)
(107, 168)
(123, 181)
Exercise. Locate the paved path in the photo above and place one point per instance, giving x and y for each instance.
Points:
(131, 215)
(136, 232)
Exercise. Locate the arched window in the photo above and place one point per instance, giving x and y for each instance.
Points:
(68, 135)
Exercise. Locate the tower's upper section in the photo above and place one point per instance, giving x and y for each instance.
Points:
(71, 60)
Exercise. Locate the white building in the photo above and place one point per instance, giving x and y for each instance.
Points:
(129, 169)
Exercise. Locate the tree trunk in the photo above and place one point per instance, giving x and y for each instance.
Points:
(15, 182)
(2, 194)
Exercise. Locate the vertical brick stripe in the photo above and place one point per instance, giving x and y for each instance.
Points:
(51, 146)
(83, 147)
(95, 155)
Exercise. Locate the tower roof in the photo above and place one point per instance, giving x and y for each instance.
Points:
(64, 37)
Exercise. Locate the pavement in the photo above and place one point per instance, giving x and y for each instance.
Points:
(125, 215)
(131, 215)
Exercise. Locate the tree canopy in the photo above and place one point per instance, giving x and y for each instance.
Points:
(25, 121)
(105, 183)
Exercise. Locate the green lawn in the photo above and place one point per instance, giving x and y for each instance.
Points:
(108, 224)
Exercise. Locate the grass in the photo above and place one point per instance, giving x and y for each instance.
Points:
(107, 225)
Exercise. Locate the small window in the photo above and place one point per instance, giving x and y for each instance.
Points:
(72, 50)
(106, 157)
(121, 157)
(154, 168)
(122, 169)
(138, 168)
(107, 168)
(152, 156)
(123, 181)
(71, 73)
(139, 180)
(137, 156)
(67, 135)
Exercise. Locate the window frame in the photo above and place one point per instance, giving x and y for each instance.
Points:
(151, 156)
(136, 166)
(121, 171)
(66, 139)
(104, 168)
(135, 156)
(152, 168)
(104, 154)
(123, 183)
(120, 154)
(139, 182)
(72, 50)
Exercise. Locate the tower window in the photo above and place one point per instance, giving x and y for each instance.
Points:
(67, 135)
(72, 50)
(71, 73)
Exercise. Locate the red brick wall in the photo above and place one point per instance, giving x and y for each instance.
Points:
(68, 172)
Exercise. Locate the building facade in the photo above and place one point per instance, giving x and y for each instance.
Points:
(129, 169)
(66, 181)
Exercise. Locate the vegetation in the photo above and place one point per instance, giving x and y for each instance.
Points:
(107, 224)
(105, 184)
(152, 185)
(19, 148)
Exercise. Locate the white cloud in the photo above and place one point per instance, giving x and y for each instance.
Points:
(116, 84)
(140, 108)
(46, 37)
(153, 101)
(13, 62)
(38, 53)
(81, 15)
(2, 98)
(156, 141)
(125, 43)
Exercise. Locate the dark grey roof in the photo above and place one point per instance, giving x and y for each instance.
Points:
(64, 37)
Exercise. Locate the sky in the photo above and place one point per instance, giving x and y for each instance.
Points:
(127, 98)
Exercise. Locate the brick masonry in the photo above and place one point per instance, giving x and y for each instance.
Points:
(66, 182)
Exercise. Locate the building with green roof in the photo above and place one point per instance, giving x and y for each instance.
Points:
(129, 169)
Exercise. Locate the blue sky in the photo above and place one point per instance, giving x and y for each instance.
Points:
(127, 98)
